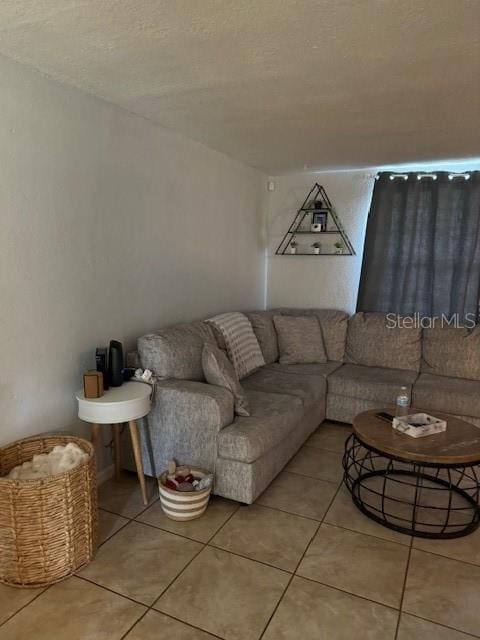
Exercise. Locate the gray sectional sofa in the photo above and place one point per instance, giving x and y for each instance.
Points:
(368, 362)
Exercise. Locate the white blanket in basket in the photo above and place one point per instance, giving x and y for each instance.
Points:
(61, 458)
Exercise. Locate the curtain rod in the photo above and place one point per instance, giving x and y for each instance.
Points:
(420, 176)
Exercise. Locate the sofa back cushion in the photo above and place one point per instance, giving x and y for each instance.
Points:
(264, 329)
(450, 351)
(334, 325)
(300, 340)
(373, 341)
(176, 352)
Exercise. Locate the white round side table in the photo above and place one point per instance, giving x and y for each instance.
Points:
(127, 403)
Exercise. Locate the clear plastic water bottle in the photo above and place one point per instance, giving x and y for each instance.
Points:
(403, 402)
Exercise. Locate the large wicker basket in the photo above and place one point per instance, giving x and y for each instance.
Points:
(48, 527)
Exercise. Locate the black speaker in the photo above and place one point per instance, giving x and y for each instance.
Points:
(115, 364)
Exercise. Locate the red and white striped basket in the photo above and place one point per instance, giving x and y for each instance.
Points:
(184, 505)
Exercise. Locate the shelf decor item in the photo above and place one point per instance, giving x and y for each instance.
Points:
(319, 221)
(48, 525)
(316, 216)
(316, 246)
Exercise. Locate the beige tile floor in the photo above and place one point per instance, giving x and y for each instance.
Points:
(301, 564)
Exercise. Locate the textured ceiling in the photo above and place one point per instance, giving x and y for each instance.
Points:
(279, 84)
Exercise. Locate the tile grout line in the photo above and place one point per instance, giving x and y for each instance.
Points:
(150, 504)
(440, 624)
(403, 588)
(240, 555)
(172, 533)
(369, 535)
(188, 624)
(113, 513)
(112, 534)
(348, 593)
(150, 607)
(304, 475)
(25, 605)
(298, 564)
(440, 555)
(110, 590)
(290, 513)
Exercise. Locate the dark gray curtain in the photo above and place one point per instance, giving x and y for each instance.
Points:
(422, 247)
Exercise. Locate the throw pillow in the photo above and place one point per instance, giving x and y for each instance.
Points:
(300, 340)
(218, 370)
(241, 343)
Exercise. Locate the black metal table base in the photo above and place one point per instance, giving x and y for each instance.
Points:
(420, 499)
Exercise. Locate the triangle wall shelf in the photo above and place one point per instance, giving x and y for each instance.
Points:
(316, 229)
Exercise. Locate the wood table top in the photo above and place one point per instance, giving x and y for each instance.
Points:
(459, 444)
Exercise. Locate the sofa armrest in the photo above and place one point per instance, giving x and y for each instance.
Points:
(195, 405)
(184, 423)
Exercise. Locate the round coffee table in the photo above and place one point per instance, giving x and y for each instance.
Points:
(427, 487)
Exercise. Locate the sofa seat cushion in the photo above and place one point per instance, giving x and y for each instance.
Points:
(374, 340)
(309, 388)
(273, 417)
(370, 383)
(324, 369)
(450, 395)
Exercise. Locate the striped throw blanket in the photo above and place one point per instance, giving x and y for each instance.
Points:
(242, 345)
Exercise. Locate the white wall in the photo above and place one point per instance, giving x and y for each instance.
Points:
(317, 281)
(110, 227)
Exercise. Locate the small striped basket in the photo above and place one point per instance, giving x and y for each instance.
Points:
(184, 505)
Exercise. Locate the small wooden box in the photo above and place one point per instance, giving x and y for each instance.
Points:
(93, 384)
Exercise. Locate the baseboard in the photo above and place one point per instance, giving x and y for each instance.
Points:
(105, 474)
